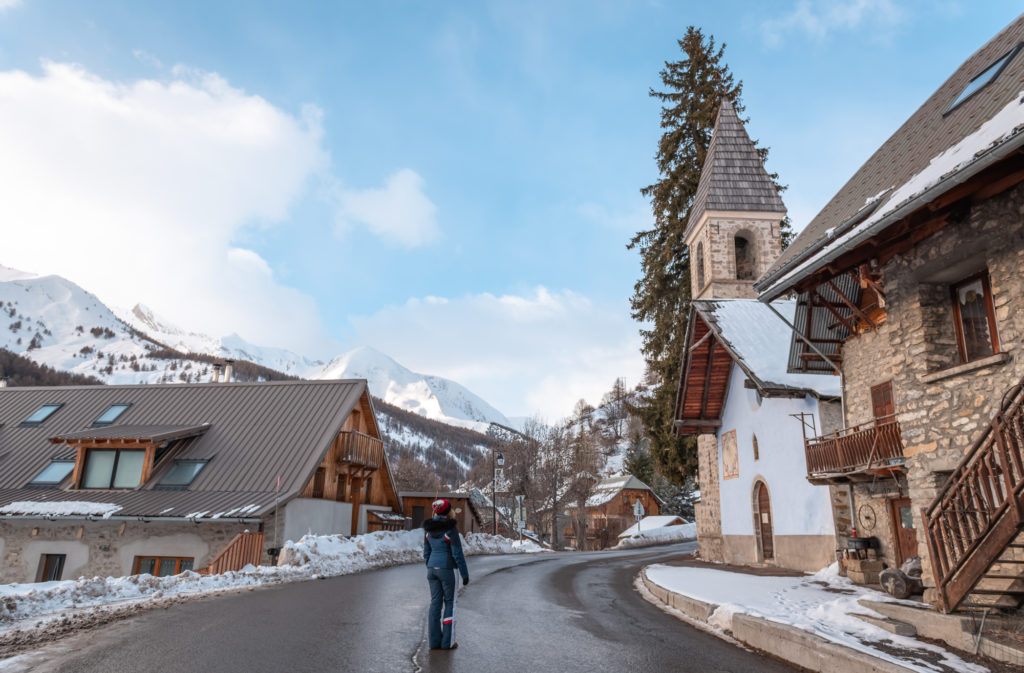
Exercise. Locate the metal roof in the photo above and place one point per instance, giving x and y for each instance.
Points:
(929, 132)
(141, 433)
(256, 432)
(733, 175)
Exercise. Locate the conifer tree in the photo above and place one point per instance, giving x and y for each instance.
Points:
(693, 90)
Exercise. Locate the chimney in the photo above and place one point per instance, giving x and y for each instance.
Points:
(229, 366)
(216, 372)
(3, 381)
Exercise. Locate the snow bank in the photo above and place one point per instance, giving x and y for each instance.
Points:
(665, 535)
(311, 557)
(823, 604)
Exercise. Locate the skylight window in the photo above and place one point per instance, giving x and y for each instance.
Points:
(987, 76)
(40, 415)
(53, 474)
(110, 415)
(179, 477)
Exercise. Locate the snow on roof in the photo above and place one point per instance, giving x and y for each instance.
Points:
(609, 488)
(65, 508)
(998, 130)
(649, 523)
(760, 342)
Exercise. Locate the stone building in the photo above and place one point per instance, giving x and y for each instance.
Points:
(159, 479)
(610, 510)
(911, 281)
(749, 414)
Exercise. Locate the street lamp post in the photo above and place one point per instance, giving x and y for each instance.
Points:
(494, 483)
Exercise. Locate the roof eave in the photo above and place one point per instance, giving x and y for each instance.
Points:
(773, 286)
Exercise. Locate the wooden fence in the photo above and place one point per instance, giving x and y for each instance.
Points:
(245, 549)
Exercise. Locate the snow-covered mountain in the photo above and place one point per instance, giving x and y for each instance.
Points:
(430, 396)
(54, 322)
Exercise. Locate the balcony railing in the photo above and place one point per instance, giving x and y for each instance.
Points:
(860, 448)
(359, 449)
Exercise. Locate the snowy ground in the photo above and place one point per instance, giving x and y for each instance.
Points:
(663, 535)
(822, 604)
(41, 605)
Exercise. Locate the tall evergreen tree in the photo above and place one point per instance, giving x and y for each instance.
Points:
(693, 90)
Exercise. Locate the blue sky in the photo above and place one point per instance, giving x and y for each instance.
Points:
(452, 183)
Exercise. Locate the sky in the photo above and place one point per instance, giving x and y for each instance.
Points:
(451, 183)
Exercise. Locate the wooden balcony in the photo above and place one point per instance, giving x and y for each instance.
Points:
(854, 453)
(361, 450)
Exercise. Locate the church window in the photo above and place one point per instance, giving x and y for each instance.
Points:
(744, 259)
(700, 266)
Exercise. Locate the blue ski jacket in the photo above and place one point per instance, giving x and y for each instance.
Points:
(442, 546)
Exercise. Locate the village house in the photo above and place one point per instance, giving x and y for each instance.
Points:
(911, 282)
(610, 510)
(749, 414)
(417, 506)
(118, 480)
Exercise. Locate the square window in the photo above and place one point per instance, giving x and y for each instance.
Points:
(40, 415)
(974, 319)
(110, 415)
(987, 76)
(181, 475)
(53, 474)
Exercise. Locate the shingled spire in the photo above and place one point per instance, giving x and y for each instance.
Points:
(736, 196)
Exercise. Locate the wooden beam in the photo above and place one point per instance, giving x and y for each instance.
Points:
(707, 379)
(853, 307)
(851, 328)
(697, 422)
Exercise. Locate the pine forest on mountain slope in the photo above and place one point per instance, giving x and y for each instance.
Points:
(693, 90)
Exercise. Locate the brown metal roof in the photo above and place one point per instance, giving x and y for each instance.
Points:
(926, 134)
(733, 176)
(257, 431)
(139, 433)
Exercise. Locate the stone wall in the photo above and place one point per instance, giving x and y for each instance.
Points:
(708, 512)
(106, 548)
(718, 235)
(942, 406)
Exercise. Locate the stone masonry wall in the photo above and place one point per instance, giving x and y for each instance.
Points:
(718, 236)
(941, 407)
(708, 512)
(106, 547)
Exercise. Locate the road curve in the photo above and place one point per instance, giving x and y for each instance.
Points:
(550, 612)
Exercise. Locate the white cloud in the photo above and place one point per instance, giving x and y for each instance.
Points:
(8, 4)
(136, 191)
(819, 18)
(533, 353)
(399, 212)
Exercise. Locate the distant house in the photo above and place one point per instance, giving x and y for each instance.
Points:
(609, 510)
(115, 480)
(911, 281)
(650, 523)
(417, 506)
(749, 414)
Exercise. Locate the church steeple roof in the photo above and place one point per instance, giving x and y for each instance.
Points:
(733, 176)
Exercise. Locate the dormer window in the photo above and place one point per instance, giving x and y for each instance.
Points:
(110, 415)
(53, 474)
(113, 468)
(40, 415)
(987, 76)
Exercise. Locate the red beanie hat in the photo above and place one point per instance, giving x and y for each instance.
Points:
(441, 506)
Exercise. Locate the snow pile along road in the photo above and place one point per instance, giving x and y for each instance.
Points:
(663, 535)
(823, 604)
(309, 558)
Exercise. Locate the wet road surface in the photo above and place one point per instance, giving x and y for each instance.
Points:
(549, 612)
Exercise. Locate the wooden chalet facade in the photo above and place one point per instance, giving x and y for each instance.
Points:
(417, 506)
(609, 511)
(911, 282)
(116, 480)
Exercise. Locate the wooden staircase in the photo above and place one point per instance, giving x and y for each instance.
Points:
(243, 550)
(974, 526)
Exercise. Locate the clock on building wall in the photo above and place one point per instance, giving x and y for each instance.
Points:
(866, 516)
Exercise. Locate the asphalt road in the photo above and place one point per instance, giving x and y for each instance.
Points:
(551, 612)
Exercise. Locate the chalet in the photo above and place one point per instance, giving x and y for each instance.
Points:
(609, 510)
(418, 508)
(748, 413)
(910, 281)
(117, 480)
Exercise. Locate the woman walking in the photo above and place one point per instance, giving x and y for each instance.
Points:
(442, 550)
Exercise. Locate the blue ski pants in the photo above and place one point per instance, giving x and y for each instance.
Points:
(441, 621)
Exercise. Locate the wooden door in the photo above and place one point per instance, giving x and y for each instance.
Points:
(904, 533)
(764, 522)
(53, 567)
(881, 401)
